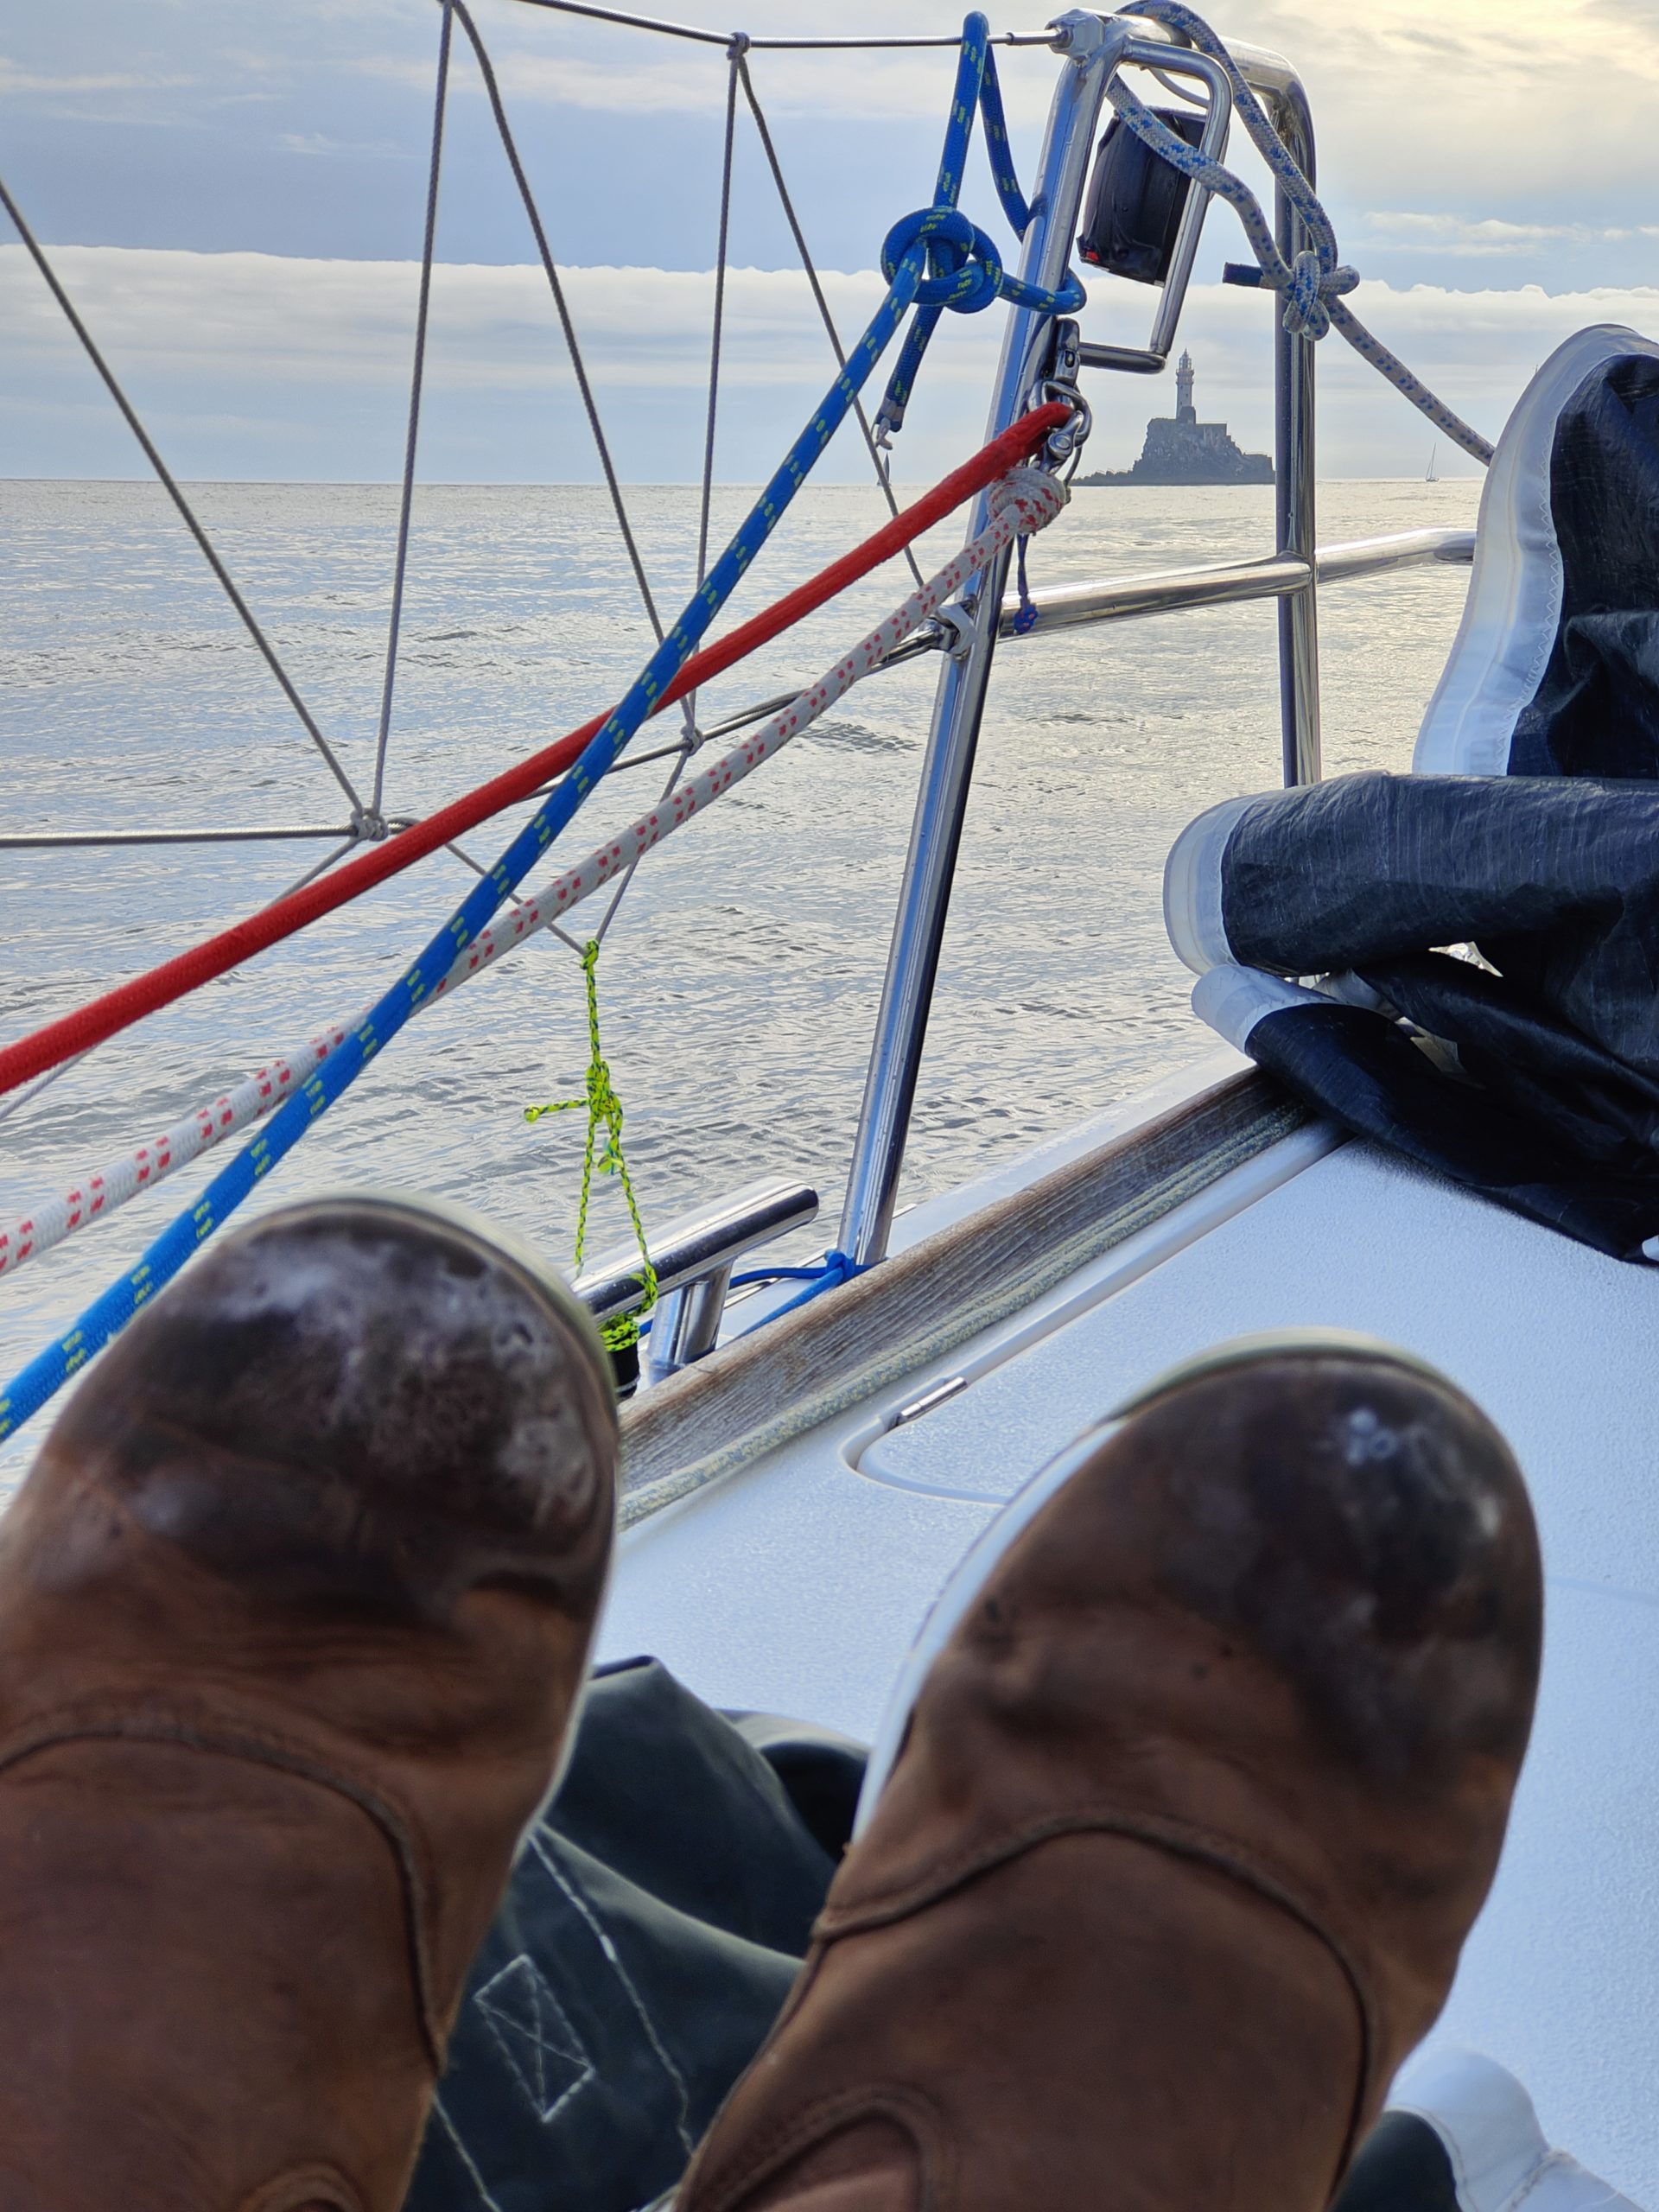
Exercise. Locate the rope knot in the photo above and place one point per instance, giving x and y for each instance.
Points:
(964, 270)
(1310, 285)
(604, 1117)
(1035, 496)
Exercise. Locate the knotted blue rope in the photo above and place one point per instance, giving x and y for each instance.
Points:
(964, 270)
(115, 1308)
(836, 1268)
(1314, 286)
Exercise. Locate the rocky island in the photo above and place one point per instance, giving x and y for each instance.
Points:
(1182, 450)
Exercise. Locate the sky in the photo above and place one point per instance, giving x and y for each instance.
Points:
(234, 194)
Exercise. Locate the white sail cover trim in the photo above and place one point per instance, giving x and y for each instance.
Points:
(1514, 610)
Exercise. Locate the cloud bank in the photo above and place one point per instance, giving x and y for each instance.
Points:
(268, 365)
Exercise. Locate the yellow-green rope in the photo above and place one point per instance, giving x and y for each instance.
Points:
(604, 1111)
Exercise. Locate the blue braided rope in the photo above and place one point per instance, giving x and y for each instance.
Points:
(965, 273)
(1314, 286)
(837, 1269)
(110, 1312)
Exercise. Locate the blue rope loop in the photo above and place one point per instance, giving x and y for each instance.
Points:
(963, 271)
(110, 1312)
(1314, 286)
(1026, 620)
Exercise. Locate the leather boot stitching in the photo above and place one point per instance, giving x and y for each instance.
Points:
(272, 1751)
(912, 2114)
(1187, 1840)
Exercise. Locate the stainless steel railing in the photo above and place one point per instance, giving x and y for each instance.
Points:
(1223, 583)
(1091, 50)
(694, 1258)
(1092, 47)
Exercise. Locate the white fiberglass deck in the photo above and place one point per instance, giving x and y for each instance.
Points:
(797, 1586)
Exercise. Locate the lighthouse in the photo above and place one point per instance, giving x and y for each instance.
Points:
(1185, 411)
(1179, 449)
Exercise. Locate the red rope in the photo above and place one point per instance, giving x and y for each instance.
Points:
(118, 1010)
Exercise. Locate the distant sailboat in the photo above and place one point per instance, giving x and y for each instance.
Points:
(1431, 474)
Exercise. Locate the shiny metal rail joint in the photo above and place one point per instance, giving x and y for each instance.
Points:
(694, 1258)
(1226, 583)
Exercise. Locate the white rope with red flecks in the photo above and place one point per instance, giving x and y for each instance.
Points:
(1024, 502)
(26, 1235)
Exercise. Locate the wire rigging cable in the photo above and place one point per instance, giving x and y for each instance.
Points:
(579, 367)
(187, 514)
(723, 245)
(417, 379)
(777, 45)
(764, 131)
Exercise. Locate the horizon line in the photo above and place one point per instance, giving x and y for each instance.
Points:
(647, 483)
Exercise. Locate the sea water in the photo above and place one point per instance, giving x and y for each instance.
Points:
(739, 978)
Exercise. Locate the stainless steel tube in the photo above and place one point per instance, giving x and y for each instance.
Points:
(698, 1245)
(1296, 432)
(1217, 125)
(1225, 583)
(947, 771)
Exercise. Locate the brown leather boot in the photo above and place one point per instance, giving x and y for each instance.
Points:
(294, 1610)
(1187, 1800)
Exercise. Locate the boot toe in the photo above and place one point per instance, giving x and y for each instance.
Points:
(361, 1398)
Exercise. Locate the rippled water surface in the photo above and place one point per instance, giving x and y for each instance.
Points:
(739, 980)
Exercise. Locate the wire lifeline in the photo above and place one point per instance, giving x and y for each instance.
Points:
(567, 324)
(717, 335)
(965, 272)
(693, 739)
(1316, 285)
(883, 477)
(416, 383)
(46, 1374)
(1024, 501)
(187, 514)
(604, 1110)
(778, 45)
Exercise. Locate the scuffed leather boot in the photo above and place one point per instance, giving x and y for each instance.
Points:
(1187, 1799)
(295, 1609)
